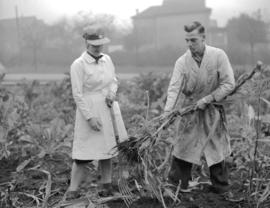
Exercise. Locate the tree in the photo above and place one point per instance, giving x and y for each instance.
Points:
(34, 35)
(62, 36)
(247, 30)
(110, 23)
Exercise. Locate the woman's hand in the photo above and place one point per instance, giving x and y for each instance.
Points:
(109, 100)
(94, 124)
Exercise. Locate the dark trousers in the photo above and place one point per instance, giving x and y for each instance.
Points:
(181, 170)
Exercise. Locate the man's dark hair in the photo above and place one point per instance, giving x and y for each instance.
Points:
(195, 26)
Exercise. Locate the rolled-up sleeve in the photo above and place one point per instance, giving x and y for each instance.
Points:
(76, 74)
(226, 77)
(176, 82)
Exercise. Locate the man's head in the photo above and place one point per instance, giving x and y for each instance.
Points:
(195, 37)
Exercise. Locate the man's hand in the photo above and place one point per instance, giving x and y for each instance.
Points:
(202, 103)
(109, 100)
(94, 124)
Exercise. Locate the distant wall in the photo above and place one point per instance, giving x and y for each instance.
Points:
(170, 29)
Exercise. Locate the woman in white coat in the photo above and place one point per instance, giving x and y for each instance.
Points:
(94, 87)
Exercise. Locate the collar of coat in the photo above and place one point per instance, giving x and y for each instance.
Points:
(205, 59)
(90, 59)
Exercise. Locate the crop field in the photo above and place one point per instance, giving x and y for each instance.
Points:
(36, 134)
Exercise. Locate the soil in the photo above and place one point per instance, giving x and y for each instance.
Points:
(34, 183)
(6, 169)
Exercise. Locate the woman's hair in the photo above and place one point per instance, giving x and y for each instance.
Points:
(87, 44)
(195, 26)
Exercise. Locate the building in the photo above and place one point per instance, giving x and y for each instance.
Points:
(162, 26)
(12, 38)
(11, 31)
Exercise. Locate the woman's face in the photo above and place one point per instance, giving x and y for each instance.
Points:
(95, 50)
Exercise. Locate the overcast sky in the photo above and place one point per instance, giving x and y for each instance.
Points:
(51, 10)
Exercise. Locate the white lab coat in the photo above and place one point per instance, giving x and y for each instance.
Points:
(214, 76)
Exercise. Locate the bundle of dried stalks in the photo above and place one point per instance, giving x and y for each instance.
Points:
(136, 146)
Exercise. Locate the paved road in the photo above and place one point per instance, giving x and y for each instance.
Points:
(43, 78)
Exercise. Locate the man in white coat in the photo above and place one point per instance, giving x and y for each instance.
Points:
(202, 75)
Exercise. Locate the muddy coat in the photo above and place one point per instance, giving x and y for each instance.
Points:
(91, 83)
(215, 77)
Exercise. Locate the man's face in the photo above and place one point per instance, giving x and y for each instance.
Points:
(195, 41)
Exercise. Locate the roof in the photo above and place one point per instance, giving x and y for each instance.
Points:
(165, 10)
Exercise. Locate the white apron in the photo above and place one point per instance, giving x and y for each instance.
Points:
(96, 145)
